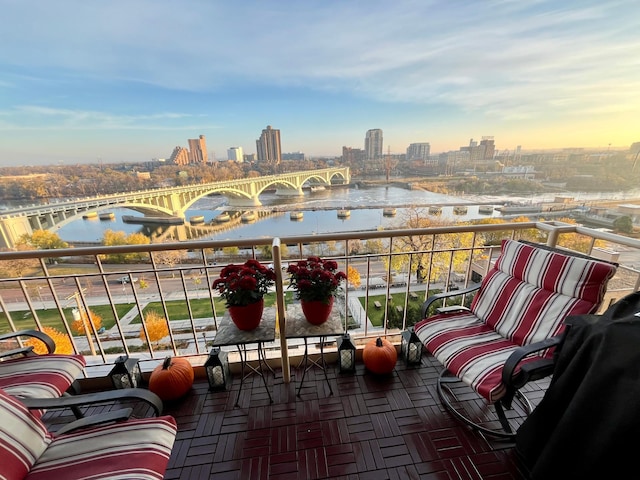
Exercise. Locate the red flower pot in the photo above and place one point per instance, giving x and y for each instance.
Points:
(316, 311)
(247, 317)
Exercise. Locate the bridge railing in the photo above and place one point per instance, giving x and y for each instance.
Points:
(150, 301)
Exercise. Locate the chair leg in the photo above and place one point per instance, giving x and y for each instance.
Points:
(506, 432)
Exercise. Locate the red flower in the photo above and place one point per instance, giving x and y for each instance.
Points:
(245, 284)
(315, 279)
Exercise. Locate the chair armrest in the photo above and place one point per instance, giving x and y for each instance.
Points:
(93, 420)
(24, 352)
(71, 401)
(532, 370)
(454, 293)
(46, 339)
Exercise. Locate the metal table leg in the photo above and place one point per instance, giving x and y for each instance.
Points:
(321, 363)
(242, 351)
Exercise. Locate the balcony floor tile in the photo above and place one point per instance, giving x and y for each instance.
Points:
(390, 427)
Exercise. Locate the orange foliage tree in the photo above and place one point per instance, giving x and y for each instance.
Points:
(353, 277)
(62, 341)
(157, 327)
(86, 318)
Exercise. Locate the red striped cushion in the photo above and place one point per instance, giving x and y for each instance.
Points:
(523, 299)
(23, 438)
(469, 349)
(40, 376)
(529, 292)
(133, 449)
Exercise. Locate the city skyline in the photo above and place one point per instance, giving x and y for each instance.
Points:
(127, 82)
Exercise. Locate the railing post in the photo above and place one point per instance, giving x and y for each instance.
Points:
(281, 311)
(552, 238)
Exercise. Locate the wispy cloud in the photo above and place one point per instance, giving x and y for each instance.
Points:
(118, 64)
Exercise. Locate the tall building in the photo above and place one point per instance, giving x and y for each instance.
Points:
(180, 156)
(235, 154)
(198, 150)
(418, 151)
(268, 146)
(353, 155)
(373, 144)
(489, 147)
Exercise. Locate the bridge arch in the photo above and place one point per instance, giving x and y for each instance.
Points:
(171, 201)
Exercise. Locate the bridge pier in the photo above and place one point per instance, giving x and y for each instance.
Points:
(12, 228)
(290, 192)
(244, 201)
(165, 201)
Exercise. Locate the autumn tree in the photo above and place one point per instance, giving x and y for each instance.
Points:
(431, 256)
(575, 241)
(113, 238)
(85, 319)
(169, 258)
(353, 277)
(623, 224)
(43, 240)
(19, 267)
(61, 340)
(157, 327)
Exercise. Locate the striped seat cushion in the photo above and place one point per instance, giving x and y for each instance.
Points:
(137, 448)
(40, 376)
(523, 299)
(23, 438)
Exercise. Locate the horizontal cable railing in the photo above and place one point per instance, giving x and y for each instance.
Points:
(155, 300)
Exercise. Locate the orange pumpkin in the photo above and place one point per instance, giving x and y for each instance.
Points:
(172, 379)
(380, 356)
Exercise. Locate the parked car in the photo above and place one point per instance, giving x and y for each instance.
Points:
(127, 279)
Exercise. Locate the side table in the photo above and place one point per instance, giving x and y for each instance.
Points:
(298, 327)
(228, 334)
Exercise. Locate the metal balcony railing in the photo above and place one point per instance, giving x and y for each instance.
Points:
(144, 292)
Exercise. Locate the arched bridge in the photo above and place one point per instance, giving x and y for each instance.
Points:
(169, 202)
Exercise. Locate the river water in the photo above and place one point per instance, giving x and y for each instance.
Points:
(320, 212)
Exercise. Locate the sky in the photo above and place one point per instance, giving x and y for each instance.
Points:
(129, 80)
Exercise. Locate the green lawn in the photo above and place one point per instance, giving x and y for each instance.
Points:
(201, 307)
(376, 315)
(50, 317)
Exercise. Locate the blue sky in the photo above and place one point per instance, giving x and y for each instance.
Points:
(128, 80)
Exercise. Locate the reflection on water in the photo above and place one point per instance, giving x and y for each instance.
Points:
(319, 214)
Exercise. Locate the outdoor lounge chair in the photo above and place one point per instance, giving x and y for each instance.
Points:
(87, 448)
(26, 374)
(505, 338)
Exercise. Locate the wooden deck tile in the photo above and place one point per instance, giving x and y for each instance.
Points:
(390, 427)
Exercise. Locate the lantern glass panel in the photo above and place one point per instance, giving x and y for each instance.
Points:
(411, 347)
(126, 373)
(217, 369)
(346, 354)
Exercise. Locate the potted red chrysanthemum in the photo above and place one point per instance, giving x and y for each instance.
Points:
(315, 282)
(243, 288)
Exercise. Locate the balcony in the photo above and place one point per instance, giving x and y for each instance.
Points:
(392, 427)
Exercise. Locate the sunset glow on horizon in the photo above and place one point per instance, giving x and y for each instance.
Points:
(129, 81)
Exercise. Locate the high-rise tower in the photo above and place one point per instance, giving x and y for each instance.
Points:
(198, 150)
(373, 144)
(268, 146)
(235, 154)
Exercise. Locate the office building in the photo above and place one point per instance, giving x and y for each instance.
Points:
(235, 154)
(353, 155)
(418, 151)
(198, 150)
(179, 156)
(373, 144)
(489, 147)
(268, 146)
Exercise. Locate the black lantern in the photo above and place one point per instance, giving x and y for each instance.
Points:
(217, 368)
(126, 373)
(411, 347)
(346, 354)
